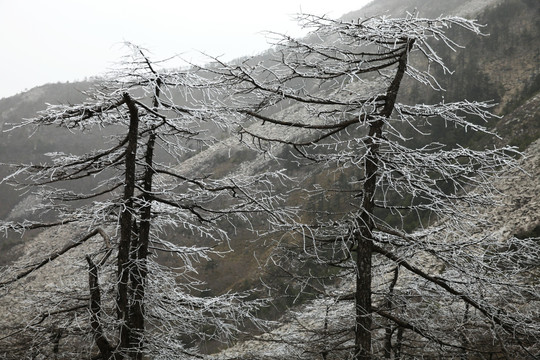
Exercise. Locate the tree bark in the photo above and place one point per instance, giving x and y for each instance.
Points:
(388, 305)
(126, 222)
(140, 270)
(95, 311)
(364, 237)
(140, 250)
(363, 296)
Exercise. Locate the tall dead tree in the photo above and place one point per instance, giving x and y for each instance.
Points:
(333, 100)
(140, 194)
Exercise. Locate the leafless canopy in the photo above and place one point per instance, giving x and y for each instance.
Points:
(442, 289)
(131, 305)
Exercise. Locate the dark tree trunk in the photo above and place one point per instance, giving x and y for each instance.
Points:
(95, 312)
(399, 342)
(126, 223)
(364, 251)
(389, 304)
(140, 249)
(133, 285)
(363, 297)
(140, 252)
(364, 237)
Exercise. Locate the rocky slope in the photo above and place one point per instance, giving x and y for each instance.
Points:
(518, 214)
(56, 287)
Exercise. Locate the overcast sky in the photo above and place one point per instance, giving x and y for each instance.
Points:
(47, 41)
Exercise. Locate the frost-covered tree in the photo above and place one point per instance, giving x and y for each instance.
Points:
(137, 198)
(404, 232)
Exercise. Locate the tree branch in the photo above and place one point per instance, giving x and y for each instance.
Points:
(441, 283)
(56, 254)
(95, 311)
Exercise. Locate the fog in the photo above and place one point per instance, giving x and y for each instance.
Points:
(68, 40)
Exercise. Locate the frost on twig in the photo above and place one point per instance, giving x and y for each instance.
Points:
(141, 195)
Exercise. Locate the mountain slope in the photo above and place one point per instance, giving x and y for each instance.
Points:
(512, 76)
(431, 9)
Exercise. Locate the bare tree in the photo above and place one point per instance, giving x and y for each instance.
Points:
(132, 305)
(440, 289)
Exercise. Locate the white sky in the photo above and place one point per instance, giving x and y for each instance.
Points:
(45, 41)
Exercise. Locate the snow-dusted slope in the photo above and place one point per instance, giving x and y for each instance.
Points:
(518, 214)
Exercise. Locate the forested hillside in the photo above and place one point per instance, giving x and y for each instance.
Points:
(253, 208)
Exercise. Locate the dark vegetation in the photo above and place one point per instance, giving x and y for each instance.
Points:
(500, 67)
